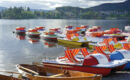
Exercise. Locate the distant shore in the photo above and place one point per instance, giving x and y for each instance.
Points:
(62, 19)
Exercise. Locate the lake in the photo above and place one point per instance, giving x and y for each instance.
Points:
(14, 51)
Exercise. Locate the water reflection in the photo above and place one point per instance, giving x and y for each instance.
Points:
(14, 51)
(20, 37)
(49, 44)
(33, 40)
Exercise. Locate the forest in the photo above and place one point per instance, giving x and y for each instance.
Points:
(62, 13)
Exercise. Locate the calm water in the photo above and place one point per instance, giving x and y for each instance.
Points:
(14, 51)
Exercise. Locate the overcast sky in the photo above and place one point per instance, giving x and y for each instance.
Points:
(52, 4)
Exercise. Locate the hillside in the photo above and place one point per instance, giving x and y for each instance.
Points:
(104, 11)
(124, 6)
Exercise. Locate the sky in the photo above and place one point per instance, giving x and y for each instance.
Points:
(52, 4)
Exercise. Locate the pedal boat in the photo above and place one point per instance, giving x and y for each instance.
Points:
(92, 63)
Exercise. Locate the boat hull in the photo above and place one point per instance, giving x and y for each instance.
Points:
(68, 75)
(84, 44)
(4, 77)
(20, 33)
(127, 66)
(68, 45)
(50, 39)
(33, 36)
(89, 69)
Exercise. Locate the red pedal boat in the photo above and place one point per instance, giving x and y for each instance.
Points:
(85, 62)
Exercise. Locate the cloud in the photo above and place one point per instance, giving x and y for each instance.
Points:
(52, 4)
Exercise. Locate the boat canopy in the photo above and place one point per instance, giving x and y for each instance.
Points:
(95, 59)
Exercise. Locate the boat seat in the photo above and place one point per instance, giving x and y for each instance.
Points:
(99, 50)
(126, 46)
(84, 51)
(111, 48)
